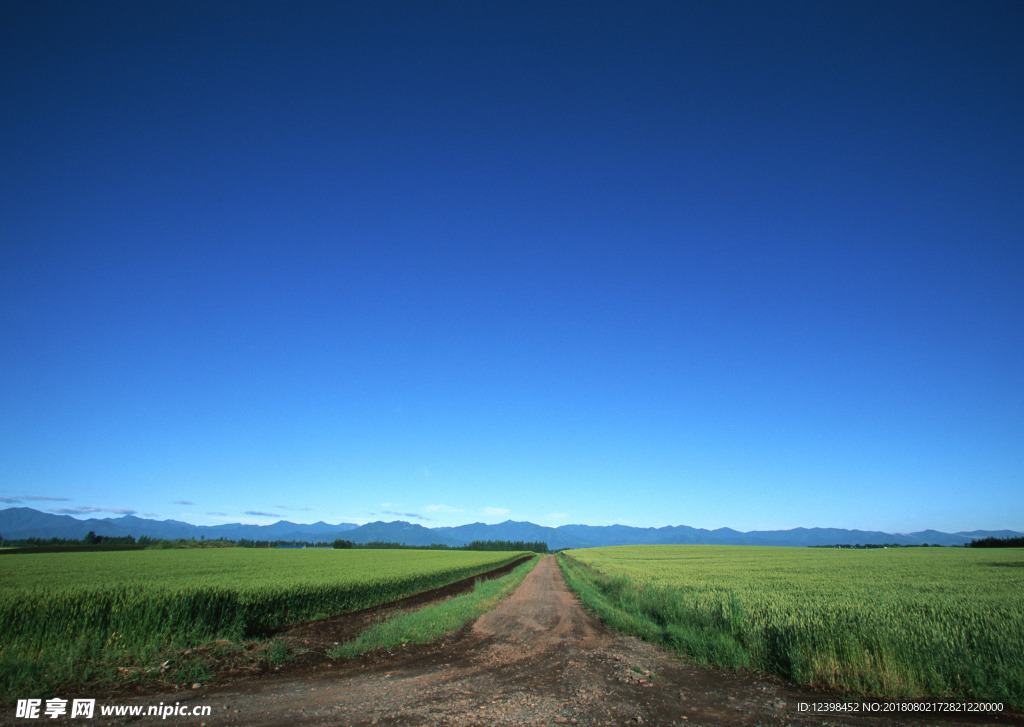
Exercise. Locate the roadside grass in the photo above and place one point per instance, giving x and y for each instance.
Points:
(109, 620)
(434, 622)
(157, 667)
(908, 627)
(633, 612)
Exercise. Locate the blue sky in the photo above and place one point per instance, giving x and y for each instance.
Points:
(756, 265)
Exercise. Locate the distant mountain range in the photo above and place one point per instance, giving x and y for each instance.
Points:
(22, 522)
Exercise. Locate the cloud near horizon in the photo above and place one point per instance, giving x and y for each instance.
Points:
(260, 513)
(443, 508)
(32, 498)
(90, 509)
(182, 502)
(408, 514)
(493, 511)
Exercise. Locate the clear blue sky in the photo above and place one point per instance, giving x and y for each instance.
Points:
(757, 265)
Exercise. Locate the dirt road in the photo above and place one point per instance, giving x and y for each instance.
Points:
(537, 659)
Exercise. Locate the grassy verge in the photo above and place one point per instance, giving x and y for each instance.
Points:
(74, 619)
(434, 622)
(170, 667)
(851, 648)
(633, 612)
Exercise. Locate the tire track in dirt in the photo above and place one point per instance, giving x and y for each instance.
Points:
(537, 659)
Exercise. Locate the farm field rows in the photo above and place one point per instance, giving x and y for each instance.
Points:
(70, 618)
(894, 623)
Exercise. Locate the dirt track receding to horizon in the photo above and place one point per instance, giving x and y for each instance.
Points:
(537, 659)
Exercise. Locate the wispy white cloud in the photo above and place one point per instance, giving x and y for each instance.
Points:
(495, 511)
(443, 508)
(556, 516)
(293, 509)
(32, 498)
(415, 515)
(89, 509)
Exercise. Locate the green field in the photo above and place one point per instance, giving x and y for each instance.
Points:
(899, 623)
(68, 618)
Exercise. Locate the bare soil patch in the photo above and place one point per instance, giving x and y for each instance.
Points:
(537, 659)
(316, 637)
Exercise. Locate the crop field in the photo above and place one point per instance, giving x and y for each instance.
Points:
(894, 623)
(69, 617)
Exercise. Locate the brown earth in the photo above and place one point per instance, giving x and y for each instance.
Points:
(314, 638)
(537, 659)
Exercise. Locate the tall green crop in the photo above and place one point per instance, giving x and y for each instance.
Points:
(906, 622)
(79, 614)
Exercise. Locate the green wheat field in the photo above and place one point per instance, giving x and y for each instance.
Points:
(68, 618)
(894, 623)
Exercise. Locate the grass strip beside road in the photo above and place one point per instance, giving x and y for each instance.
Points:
(109, 620)
(434, 622)
(907, 624)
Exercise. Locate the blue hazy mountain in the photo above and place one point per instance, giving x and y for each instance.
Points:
(23, 522)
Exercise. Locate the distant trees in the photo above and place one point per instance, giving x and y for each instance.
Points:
(92, 541)
(188, 543)
(535, 547)
(997, 543)
(488, 545)
(869, 546)
(246, 543)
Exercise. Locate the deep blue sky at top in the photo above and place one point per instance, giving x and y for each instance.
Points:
(747, 264)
